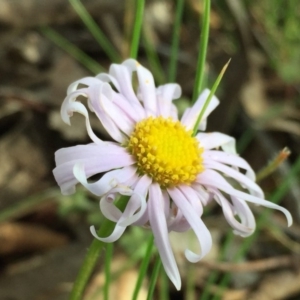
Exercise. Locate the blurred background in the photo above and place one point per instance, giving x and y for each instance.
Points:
(46, 45)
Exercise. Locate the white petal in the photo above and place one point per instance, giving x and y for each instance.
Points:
(87, 81)
(95, 158)
(196, 223)
(159, 227)
(228, 212)
(165, 94)
(138, 200)
(245, 182)
(69, 106)
(107, 182)
(229, 159)
(216, 140)
(189, 119)
(146, 86)
(214, 179)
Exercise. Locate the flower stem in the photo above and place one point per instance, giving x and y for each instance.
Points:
(143, 268)
(137, 28)
(153, 279)
(108, 256)
(202, 51)
(93, 254)
(175, 41)
(212, 92)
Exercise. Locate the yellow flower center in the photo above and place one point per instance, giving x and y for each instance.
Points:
(166, 151)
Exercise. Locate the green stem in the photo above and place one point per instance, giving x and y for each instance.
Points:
(164, 286)
(153, 279)
(108, 256)
(143, 268)
(202, 51)
(137, 28)
(93, 254)
(212, 92)
(175, 41)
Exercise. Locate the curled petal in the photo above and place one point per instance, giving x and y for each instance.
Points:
(159, 227)
(95, 158)
(138, 200)
(214, 179)
(87, 81)
(69, 107)
(178, 223)
(99, 96)
(124, 219)
(239, 177)
(245, 214)
(107, 182)
(240, 228)
(146, 86)
(195, 222)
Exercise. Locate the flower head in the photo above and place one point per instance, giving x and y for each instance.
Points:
(168, 174)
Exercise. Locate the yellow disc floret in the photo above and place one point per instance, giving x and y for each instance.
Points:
(166, 151)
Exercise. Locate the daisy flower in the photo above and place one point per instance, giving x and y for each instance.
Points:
(168, 174)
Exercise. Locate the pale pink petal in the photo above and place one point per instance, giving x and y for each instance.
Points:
(214, 179)
(204, 196)
(190, 117)
(165, 95)
(178, 223)
(244, 212)
(104, 77)
(123, 76)
(95, 158)
(174, 112)
(128, 108)
(245, 182)
(146, 86)
(166, 200)
(86, 81)
(216, 140)
(191, 195)
(239, 228)
(136, 202)
(107, 182)
(69, 107)
(229, 159)
(196, 223)
(97, 95)
(108, 209)
(160, 231)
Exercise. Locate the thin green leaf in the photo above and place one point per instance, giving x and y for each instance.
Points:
(198, 86)
(143, 268)
(108, 257)
(97, 33)
(75, 52)
(153, 278)
(212, 92)
(164, 286)
(175, 41)
(140, 4)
